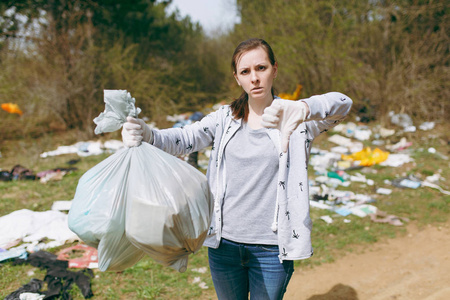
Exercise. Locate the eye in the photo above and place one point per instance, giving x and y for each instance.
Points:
(261, 68)
(243, 72)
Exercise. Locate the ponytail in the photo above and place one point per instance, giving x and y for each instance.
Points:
(239, 107)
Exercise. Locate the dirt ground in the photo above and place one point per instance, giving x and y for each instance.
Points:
(416, 266)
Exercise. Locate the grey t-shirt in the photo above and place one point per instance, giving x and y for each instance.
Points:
(251, 187)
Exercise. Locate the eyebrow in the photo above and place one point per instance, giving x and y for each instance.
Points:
(258, 64)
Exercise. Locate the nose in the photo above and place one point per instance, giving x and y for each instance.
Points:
(254, 77)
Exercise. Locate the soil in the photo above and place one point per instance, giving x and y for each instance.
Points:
(412, 267)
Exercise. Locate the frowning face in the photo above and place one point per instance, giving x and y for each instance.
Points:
(255, 74)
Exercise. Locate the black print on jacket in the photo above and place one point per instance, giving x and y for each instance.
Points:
(301, 186)
(284, 253)
(304, 131)
(205, 129)
(295, 235)
(287, 213)
(283, 184)
(307, 143)
(189, 147)
(177, 141)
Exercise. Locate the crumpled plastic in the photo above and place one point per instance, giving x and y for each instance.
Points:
(367, 157)
(140, 200)
(118, 106)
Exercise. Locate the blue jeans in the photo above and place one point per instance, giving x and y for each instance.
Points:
(238, 269)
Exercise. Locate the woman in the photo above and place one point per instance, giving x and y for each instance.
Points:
(257, 172)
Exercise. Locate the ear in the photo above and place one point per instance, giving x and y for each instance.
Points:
(235, 77)
(275, 70)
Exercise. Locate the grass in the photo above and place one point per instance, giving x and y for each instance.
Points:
(149, 280)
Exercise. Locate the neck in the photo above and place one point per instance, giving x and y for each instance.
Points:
(256, 110)
(256, 107)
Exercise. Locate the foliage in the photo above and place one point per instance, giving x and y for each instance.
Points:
(59, 71)
(393, 55)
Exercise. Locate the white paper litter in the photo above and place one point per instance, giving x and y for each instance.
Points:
(31, 226)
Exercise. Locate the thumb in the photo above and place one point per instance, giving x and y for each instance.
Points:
(132, 120)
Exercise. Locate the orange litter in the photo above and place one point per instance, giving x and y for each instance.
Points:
(12, 108)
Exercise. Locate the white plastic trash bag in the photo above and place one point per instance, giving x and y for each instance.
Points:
(140, 200)
(168, 206)
(97, 214)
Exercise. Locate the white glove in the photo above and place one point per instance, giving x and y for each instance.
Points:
(285, 115)
(134, 131)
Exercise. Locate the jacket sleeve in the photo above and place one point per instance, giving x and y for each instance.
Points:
(190, 138)
(326, 111)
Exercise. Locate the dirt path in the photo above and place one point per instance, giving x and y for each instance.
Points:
(414, 267)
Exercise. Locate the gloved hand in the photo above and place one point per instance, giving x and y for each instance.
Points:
(285, 115)
(134, 131)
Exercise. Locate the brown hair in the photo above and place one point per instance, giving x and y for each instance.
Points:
(239, 106)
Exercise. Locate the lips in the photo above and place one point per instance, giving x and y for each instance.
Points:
(257, 89)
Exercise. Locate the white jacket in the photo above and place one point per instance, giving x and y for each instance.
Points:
(292, 209)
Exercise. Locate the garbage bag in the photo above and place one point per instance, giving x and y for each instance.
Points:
(97, 214)
(139, 201)
(169, 206)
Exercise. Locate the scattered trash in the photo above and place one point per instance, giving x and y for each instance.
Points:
(84, 149)
(396, 160)
(435, 186)
(407, 182)
(343, 211)
(384, 132)
(19, 172)
(402, 120)
(401, 145)
(88, 259)
(427, 126)
(201, 270)
(12, 108)
(62, 205)
(58, 279)
(54, 175)
(384, 191)
(33, 227)
(13, 253)
(382, 217)
(201, 284)
(367, 156)
(363, 210)
(327, 219)
(294, 96)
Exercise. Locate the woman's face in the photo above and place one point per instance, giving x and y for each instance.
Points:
(255, 74)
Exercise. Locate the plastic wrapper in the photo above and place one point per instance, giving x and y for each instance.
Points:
(367, 157)
(139, 201)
